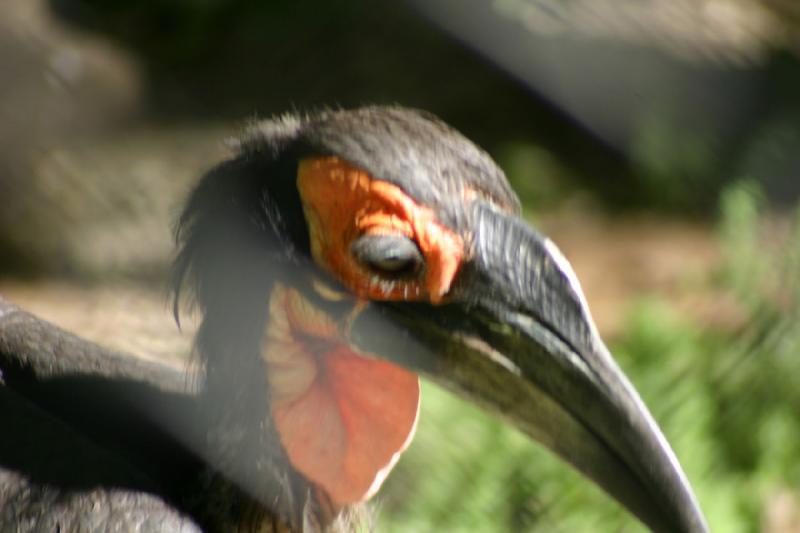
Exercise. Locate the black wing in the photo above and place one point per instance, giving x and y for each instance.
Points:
(84, 442)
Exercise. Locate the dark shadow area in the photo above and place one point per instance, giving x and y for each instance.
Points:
(236, 59)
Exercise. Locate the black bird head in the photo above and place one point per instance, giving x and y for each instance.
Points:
(337, 255)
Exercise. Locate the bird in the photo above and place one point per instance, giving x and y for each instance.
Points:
(335, 257)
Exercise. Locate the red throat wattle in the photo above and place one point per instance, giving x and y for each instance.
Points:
(343, 418)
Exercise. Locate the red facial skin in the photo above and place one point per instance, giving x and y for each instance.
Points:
(343, 202)
(344, 417)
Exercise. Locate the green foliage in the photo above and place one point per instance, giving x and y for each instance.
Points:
(466, 471)
(534, 173)
(727, 401)
(745, 267)
(676, 168)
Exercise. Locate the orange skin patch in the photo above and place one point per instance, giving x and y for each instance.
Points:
(343, 418)
(343, 202)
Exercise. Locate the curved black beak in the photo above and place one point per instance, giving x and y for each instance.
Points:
(517, 338)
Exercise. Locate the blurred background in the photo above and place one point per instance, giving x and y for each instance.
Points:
(657, 142)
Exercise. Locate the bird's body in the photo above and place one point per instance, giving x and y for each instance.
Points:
(334, 257)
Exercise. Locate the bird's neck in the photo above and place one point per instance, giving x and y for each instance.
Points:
(253, 484)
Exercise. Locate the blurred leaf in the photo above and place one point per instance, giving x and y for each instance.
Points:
(535, 174)
(677, 170)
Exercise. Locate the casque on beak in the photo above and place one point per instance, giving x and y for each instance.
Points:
(516, 337)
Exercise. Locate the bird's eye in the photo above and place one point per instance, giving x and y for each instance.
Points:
(390, 255)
